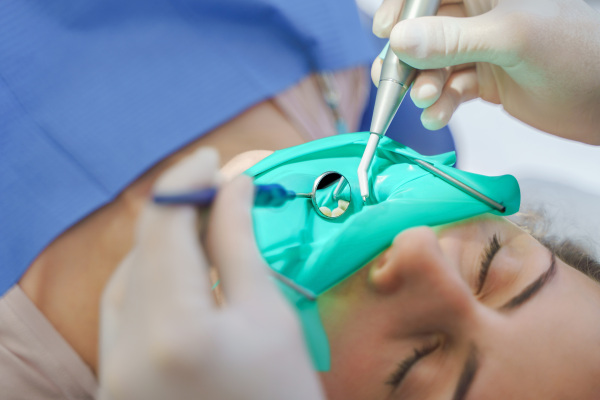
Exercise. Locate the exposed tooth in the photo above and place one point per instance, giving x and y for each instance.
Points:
(337, 212)
(343, 204)
(325, 211)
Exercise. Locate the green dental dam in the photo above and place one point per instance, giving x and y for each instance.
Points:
(317, 253)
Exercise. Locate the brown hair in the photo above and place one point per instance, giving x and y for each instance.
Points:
(574, 255)
(576, 252)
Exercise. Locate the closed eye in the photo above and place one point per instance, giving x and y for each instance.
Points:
(405, 366)
(489, 252)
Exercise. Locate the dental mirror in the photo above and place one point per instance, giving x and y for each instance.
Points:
(330, 196)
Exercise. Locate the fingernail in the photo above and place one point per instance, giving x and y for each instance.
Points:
(426, 120)
(382, 22)
(409, 38)
(433, 122)
(426, 91)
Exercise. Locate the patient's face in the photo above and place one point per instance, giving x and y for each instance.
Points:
(424, 321)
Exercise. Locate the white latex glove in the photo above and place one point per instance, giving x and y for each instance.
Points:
(538, 58)
(163, 337)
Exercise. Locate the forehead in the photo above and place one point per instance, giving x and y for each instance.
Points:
(477, 225)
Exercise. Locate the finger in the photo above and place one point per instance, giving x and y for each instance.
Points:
(169, 256)
(438, 42)
(242, 162)
(376, 71)
(198, 170)
(449, 9)
(428, 86)
(232, 246)
(389, 12)
(454, 8)
(112, 304)
(386, 17)
(489, 89)
(461, 86)
(115, 290)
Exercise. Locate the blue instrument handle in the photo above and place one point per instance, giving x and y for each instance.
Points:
(272, 195)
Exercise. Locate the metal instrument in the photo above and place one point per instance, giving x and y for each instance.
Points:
(394, 82)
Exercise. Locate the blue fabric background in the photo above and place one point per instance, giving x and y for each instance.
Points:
(92, 93)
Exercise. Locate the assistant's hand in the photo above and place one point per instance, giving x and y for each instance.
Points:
(162, 335)
(538, 58)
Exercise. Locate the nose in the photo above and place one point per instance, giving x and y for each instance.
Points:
(425, 283)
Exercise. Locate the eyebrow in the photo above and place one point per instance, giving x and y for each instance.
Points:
(467, 375)
(472, 364)
(533, 287)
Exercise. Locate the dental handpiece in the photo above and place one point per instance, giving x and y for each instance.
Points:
(394, 82)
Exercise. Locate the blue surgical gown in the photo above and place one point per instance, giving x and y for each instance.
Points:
(94, 92)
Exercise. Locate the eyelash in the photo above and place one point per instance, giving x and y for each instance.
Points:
(406, 365)
(490, 251)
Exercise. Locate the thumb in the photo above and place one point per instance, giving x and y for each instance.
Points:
(438, 42)
(232, 245)
(168, 253)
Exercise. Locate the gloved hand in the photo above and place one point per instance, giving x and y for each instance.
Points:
(538, 58)
(162, 335)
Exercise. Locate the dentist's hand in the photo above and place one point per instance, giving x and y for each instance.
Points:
(162, 335)
(538, 58)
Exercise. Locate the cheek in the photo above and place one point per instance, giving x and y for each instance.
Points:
(339, 306)
(362, 354)
(362, 349)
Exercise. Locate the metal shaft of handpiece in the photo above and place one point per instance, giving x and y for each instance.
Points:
(458, 184)
(394, 82)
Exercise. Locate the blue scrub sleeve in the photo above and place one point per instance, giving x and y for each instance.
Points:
(93, 93)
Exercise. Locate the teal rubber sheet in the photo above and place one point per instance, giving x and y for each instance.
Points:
(318, 253)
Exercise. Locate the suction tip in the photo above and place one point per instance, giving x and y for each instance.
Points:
(365, 163)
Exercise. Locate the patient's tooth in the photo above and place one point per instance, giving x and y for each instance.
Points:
(325, 211)
(343, 204)
(337, 212)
